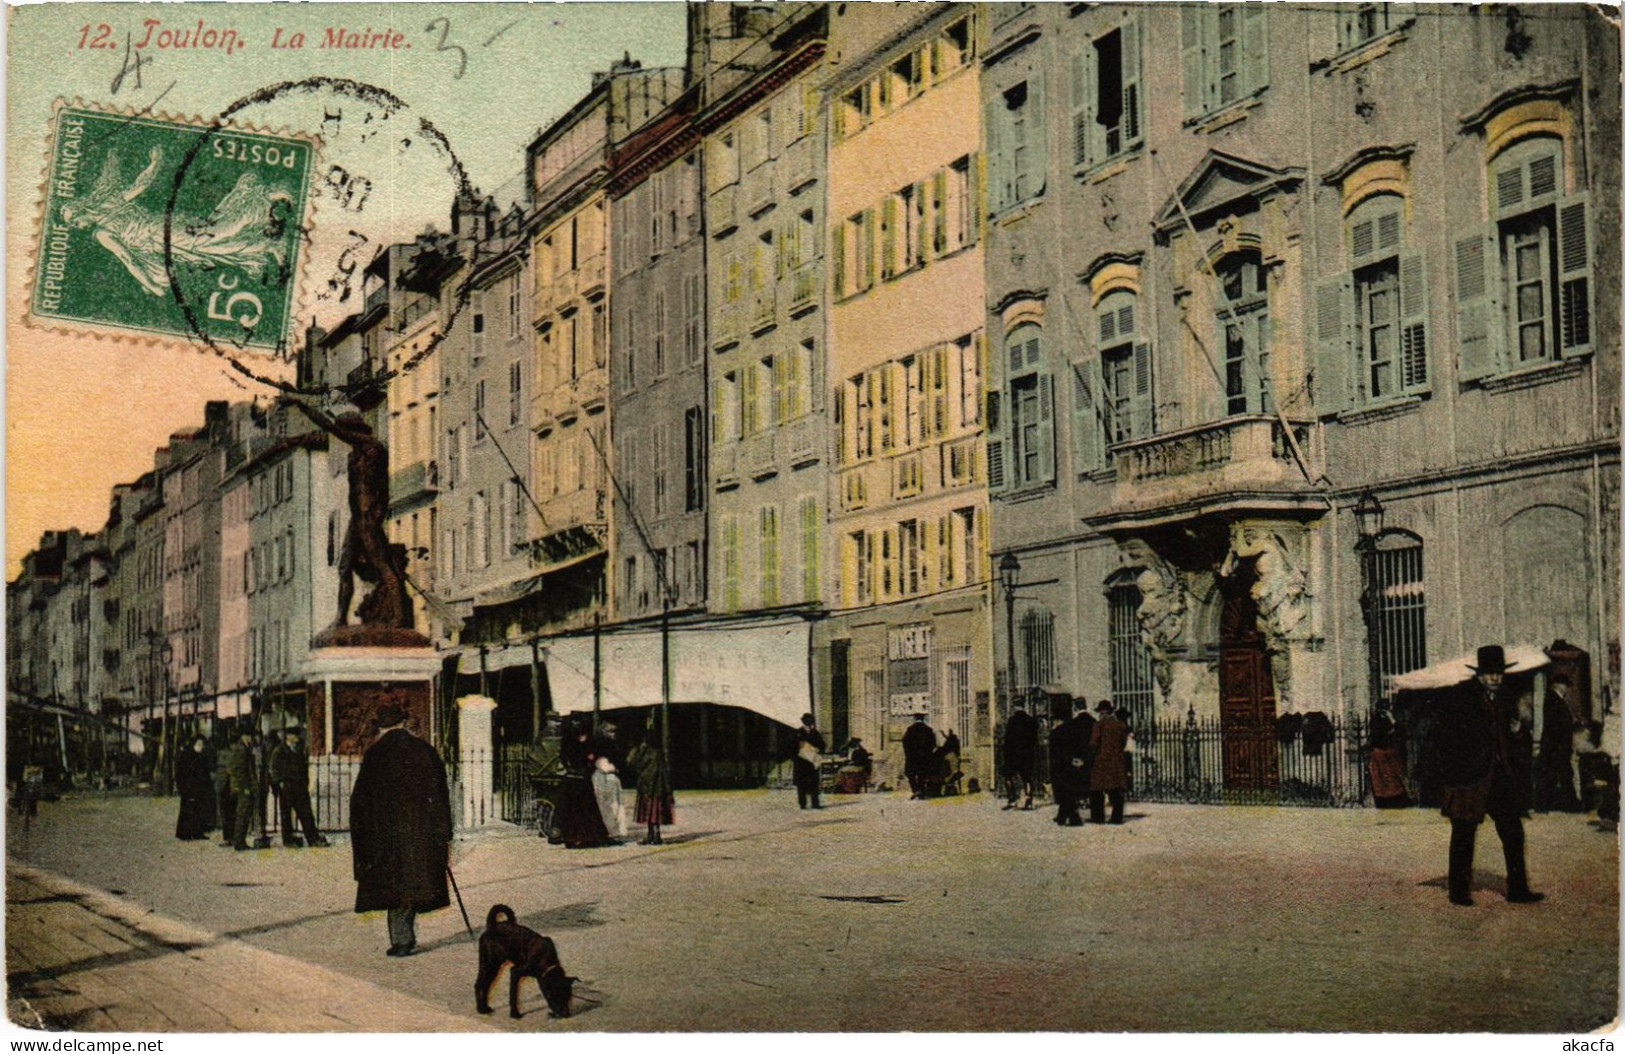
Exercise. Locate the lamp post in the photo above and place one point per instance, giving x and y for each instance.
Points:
(1009, 578)
(1368, 514)
(166, 746)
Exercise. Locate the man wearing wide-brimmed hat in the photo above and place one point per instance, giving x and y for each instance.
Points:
(1476, 769)
(400, 829)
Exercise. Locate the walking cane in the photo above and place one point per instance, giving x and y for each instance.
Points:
(460, 906)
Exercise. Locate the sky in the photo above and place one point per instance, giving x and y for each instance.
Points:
(82, 412)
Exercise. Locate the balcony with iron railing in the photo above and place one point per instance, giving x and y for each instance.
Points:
(759, 184)
(727, 331)
(412, 312)
(804, 440)
(419, 479)
(907, 479)
(722, 212)
(582, 507)
(798, 164)
(1242, 463)
(959, 461)
(761, 454)
(590, 281)
(854, 487)
(725, 466)
(806, 286)
(764, 312)
(377, 300)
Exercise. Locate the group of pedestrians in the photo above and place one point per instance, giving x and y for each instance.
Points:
(591, 809)
(1088, 758)
(226, 791)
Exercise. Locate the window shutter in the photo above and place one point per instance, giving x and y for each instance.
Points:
(1086, 426)
(838, 250)
(866, 246)
(1413, 322)
(1336, 367)
(1479, 324)
(1133, 132)
(1142, 406)
(890, 256)
(1046, 429)
(1081, 94)
(922, 229)
(1255, 47)
(1191, 19)
(996, 441)
(992, 153)
(978, 206)
(939, 214)
(1348, 28)
(1574, 274)
(1037, 140)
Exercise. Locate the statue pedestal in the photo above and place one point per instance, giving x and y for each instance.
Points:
(349, 682)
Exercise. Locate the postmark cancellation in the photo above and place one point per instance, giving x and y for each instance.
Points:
(175, 228)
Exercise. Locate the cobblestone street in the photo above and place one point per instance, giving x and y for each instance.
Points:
(875, 914)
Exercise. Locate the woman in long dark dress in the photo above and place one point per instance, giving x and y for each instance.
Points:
(655, 805)
(579, 820)
(194, 779)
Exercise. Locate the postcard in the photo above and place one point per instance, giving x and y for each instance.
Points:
(877, 518)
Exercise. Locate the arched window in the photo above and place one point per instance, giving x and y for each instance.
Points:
(1244, 321)
(1125, 363)
(1021, 444)
(1523, 282)
(1399, 592)
(1133, 688)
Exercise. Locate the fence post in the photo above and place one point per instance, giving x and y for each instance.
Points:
(1193, 755)
(475, 768)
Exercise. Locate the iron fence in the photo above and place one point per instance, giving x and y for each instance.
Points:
(481, 787)
(1318, 762)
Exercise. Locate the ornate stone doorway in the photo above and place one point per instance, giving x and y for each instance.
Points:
(1246, 691)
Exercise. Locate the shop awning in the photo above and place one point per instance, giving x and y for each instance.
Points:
(762, 668)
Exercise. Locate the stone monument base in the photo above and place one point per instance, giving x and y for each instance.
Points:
(349, 683)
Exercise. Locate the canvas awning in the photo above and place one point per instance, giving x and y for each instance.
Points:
(759, 667)
(1521, 658)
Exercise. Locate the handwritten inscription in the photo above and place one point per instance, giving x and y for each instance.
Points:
(155, 34)
(345, 38)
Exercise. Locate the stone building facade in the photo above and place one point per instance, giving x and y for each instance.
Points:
(909, 584)
(1284, 288)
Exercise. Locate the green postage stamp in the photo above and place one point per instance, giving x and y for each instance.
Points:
(173, 228)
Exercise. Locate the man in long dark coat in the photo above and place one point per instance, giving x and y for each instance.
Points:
(1109, 777)
(919, 753)
(290, 775)
(1020, 756)
(804, 767)
(1067, 750)
(400, 829)
(243, 776)
(1477, 768)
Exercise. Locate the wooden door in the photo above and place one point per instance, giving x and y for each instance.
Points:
(1246, 697)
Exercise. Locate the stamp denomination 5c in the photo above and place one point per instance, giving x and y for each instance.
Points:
(172, 228)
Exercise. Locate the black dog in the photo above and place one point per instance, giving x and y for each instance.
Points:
(532, 955)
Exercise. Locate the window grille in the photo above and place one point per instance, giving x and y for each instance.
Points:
(1399, 629)
(1133, 688)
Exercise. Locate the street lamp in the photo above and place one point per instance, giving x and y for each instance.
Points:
(166, 746)
(1009, 578)
(1368, 513)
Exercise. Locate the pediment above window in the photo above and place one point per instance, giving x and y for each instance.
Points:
(1222, 185)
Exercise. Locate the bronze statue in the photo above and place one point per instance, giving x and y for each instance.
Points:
(367, 550)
